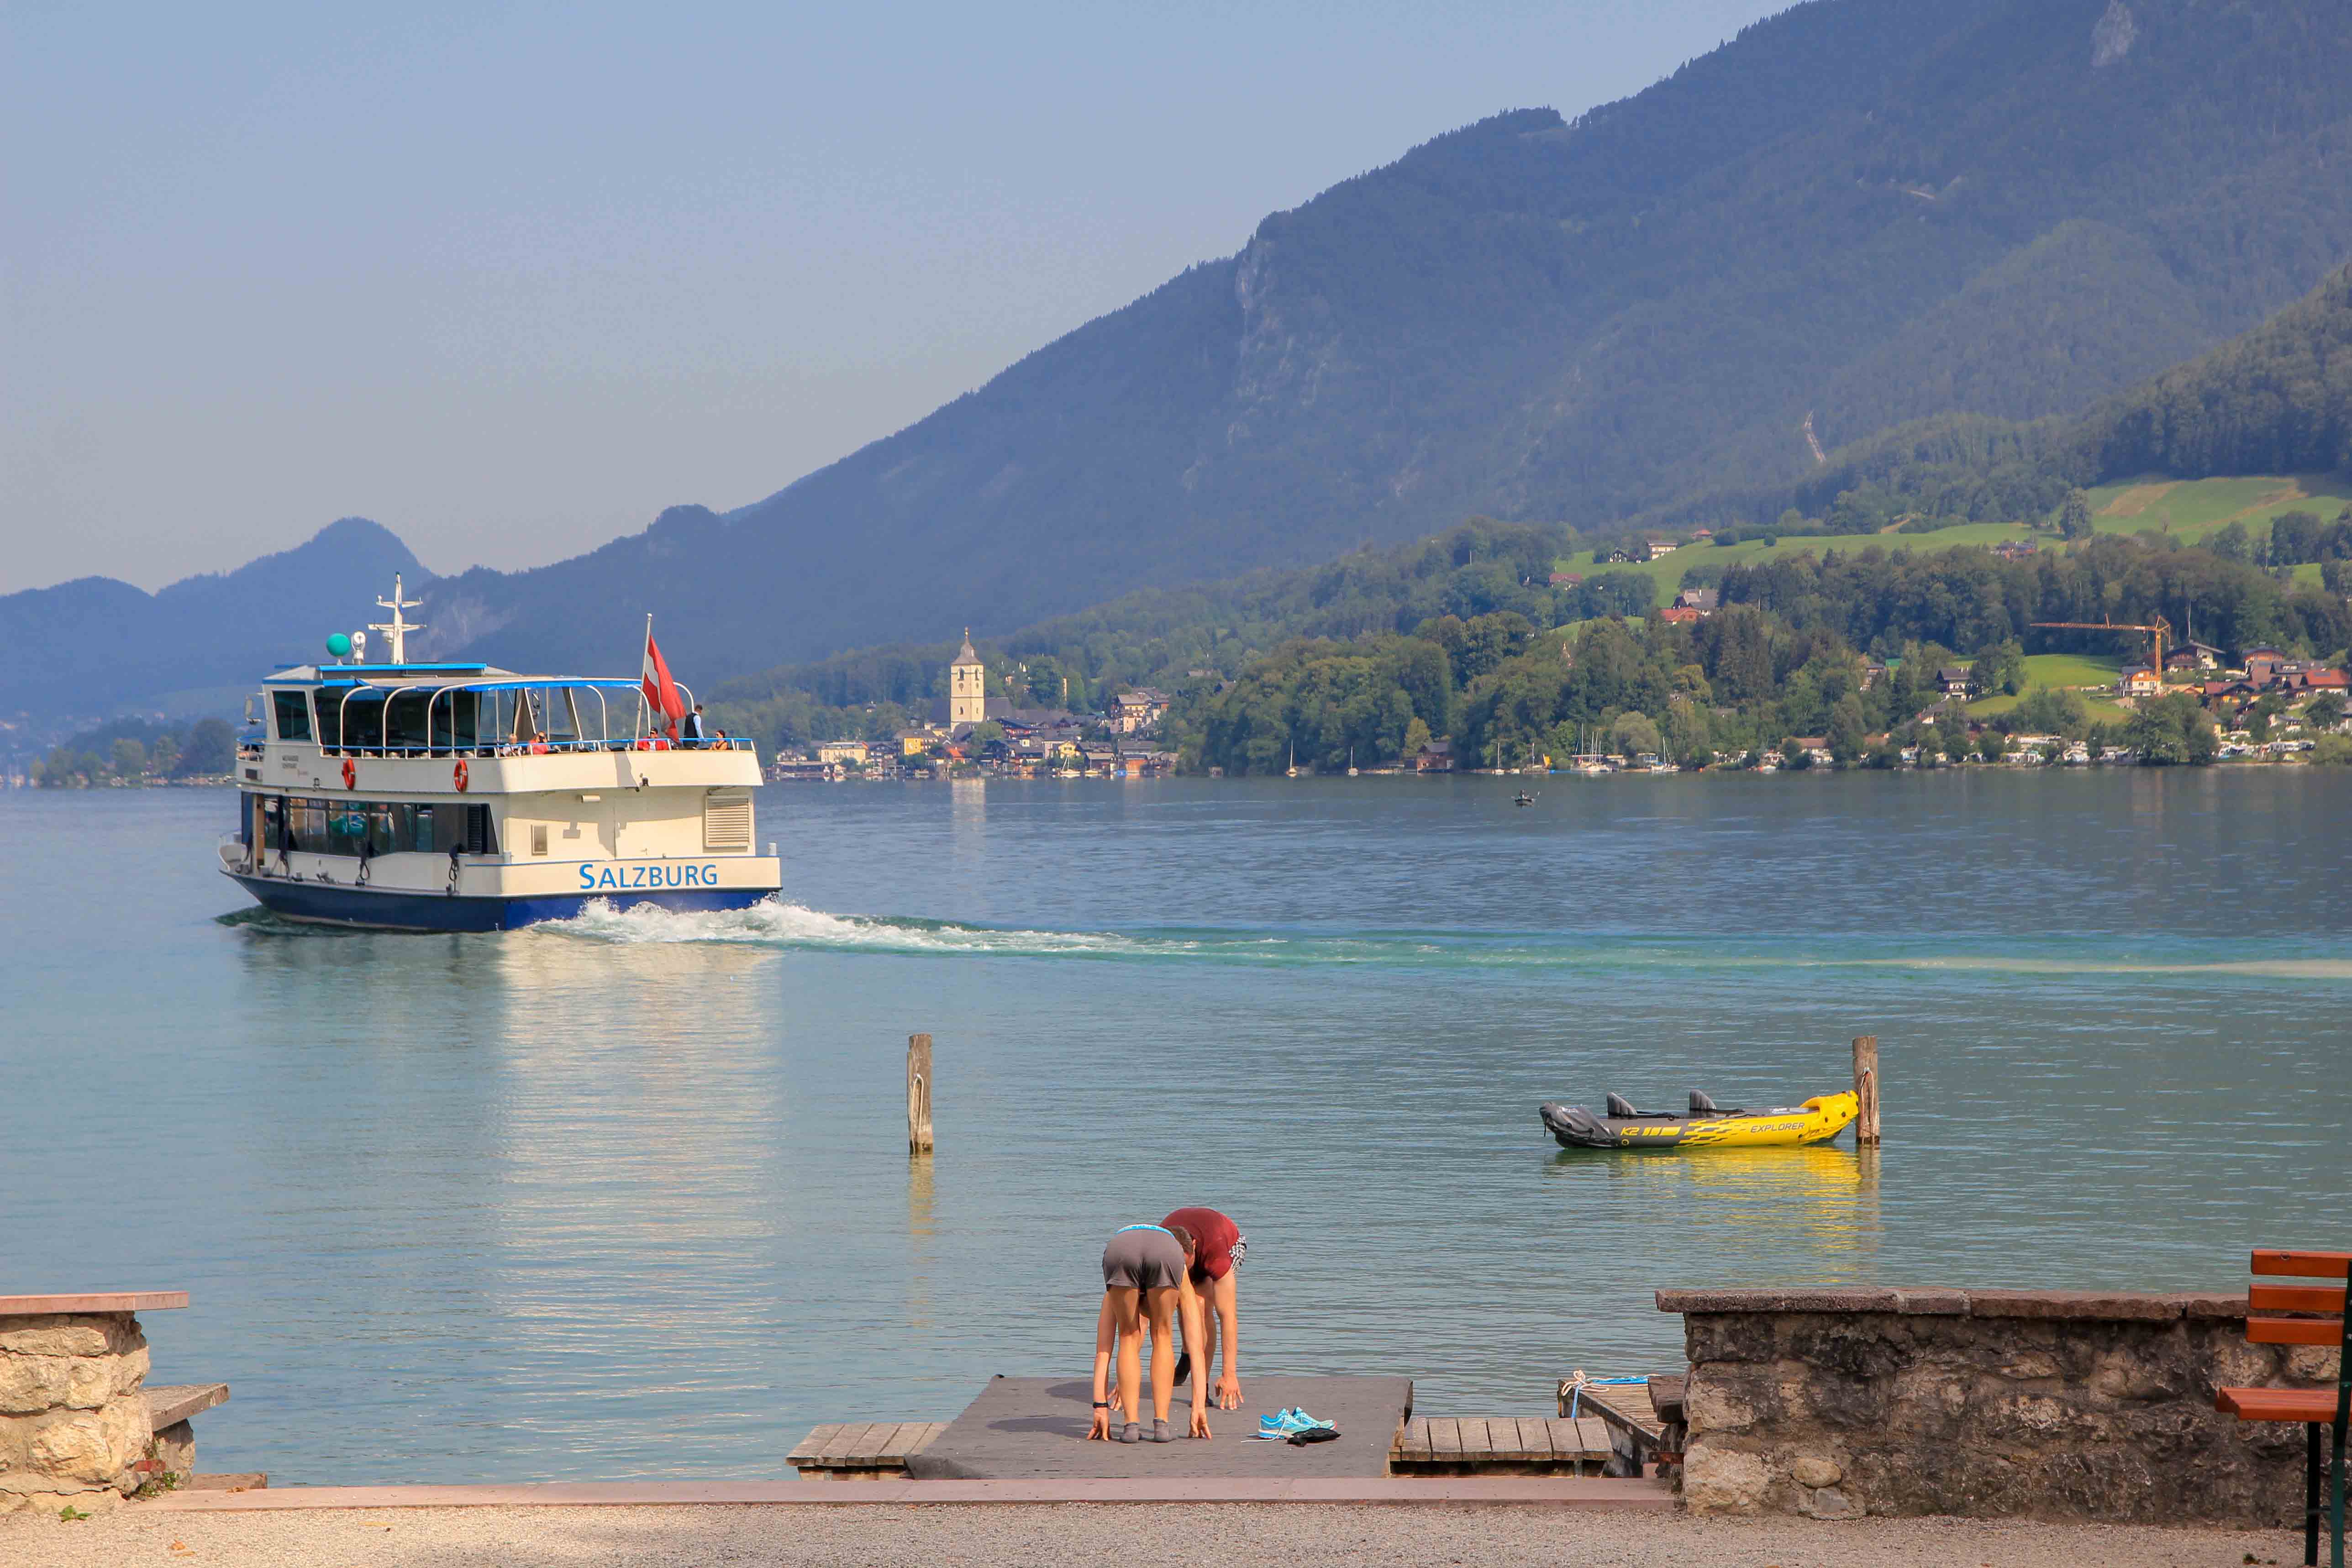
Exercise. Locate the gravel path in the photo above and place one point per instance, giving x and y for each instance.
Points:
(1085, 1535)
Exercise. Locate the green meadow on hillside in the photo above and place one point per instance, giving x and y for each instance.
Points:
(2191, 509)
(1667, 571)
(2063, 669)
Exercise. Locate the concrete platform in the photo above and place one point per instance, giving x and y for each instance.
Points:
(1504, 1490)
(1035, 1429)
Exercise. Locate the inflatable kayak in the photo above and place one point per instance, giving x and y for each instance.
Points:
(1706, 1126)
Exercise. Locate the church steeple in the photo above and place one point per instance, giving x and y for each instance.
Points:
(967, 686)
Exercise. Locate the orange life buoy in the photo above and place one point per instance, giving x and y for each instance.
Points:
(350, 775)
(461, 773)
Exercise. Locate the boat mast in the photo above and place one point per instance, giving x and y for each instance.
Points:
(397, 629)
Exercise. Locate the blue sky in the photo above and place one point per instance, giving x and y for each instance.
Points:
(511, 279)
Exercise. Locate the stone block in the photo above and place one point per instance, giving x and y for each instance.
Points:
(1723, 1480)
(176, 1446)
(83, 1334)
(1812, 1470)
(94, 1447)
(2310, 1363)
(1828, 1502)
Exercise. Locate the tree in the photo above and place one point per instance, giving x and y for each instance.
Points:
(211, 748)
(2326, 711)
(1992, 745)
(1416, 737)
(130, 758)
(1846, 732)
(1635, 733)
(2075, 515)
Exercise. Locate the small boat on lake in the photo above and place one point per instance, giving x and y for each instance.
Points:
(1707, 1125)
(454, 796)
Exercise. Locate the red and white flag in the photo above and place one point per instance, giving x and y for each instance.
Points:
(661, 691)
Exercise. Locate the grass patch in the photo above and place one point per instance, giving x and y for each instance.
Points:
(2072, 670)
(1667, 573)
(2191, 509)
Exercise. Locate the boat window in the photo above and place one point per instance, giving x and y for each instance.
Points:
(479, 840)
(293, 711)
(456, 715)
(404, 720)
(347, 827)
(362, 718)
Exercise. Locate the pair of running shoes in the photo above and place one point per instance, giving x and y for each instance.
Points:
(1294, 1426)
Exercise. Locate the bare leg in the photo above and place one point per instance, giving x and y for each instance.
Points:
(1162, 1304)
(1126, 1309)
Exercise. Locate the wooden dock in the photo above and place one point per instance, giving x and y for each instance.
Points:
(1644, 1420)
(1500, 1446)
(862, 1450)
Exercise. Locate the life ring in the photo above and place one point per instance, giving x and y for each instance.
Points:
(350, 775)
(460, 775)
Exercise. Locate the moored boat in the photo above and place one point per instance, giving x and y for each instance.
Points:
(1705, 1126)
(456, 797)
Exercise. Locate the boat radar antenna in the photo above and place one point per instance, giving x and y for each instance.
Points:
(397, 629)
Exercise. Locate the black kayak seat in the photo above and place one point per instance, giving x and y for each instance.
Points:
(1621, 1108)
(1700, 1105)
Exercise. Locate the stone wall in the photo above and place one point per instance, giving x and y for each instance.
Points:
(2050, 1404)
(73, 1418)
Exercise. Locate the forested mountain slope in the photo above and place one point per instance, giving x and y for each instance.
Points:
(92, 645)
(1870, 210)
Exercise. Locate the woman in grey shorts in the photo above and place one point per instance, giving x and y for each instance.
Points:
(1147, 1277)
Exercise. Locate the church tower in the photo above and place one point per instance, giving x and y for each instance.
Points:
(967, 686)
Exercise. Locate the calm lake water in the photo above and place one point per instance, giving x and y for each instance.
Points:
(629, 1196)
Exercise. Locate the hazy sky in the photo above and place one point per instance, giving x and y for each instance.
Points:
(510, 280)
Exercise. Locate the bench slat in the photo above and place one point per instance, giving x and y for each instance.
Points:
(2326, 1299)
(2294, 1330)
(2276, 1404)
(2303, 1264)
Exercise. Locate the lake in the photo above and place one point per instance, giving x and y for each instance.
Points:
(629, 1196)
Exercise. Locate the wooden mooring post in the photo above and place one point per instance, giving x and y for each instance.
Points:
(918, 1094)
(1865, 1090)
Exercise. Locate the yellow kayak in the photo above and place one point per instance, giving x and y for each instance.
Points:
(1706, 1126)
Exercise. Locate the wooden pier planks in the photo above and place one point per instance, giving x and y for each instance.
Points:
(1500, 1440)
(862, 1445)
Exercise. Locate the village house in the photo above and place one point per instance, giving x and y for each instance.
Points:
(1956, 681)
(1659, 549)
(2015, 548)
(1138, 709)
(1567, 579)
(1872, 672)
(1702, 600)
(842, 754)
(2139, 680)
(1680, 615)
(2262, 665)
(2193, 656)
(1616, 555)
(1436, 757)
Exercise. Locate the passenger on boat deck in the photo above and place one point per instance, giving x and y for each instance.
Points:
(1147, 1277)
(691, 732)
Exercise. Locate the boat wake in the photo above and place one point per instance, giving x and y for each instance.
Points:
(781, 924)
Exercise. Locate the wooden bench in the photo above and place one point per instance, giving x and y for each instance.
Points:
(2304, 1315)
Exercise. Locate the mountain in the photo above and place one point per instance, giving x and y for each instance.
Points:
(1858, 213)
(91, 646)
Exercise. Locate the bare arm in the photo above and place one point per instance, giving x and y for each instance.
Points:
(1106, 1328)
(1189, 1303)
(1229, 1320)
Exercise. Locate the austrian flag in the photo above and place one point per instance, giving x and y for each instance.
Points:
(661, 691)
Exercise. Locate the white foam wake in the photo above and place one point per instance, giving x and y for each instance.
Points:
(774, 922)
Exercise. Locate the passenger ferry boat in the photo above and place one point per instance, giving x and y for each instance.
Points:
(462, 797)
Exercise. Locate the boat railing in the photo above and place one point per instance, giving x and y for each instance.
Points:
(543, 747)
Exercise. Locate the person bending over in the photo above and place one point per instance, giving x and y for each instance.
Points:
(1217, 1247)
(1147, 1280)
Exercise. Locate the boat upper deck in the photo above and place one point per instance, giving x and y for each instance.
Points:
(472, 728)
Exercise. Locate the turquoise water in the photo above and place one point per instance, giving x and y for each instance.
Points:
(629, 1196)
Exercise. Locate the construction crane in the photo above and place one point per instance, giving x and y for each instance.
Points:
(2160, 631)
